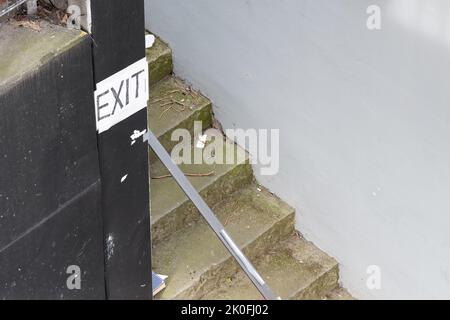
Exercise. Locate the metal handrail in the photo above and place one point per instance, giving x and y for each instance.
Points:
(210, 217)
(11, 7)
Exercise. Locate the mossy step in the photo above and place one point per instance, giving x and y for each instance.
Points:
(339, 294)
(171, 208)
(188, 107)
(197, 262)
(295, 269)
(23, 50)
(160, 63)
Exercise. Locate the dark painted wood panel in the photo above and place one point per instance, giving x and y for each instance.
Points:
(36, 265)
(117, 28)
(49, 182)
(118, 32)
(48, 141)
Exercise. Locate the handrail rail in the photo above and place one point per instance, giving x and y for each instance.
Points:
(210, 217)
(11, 7)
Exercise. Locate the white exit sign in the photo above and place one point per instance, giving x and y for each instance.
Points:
(121, 95)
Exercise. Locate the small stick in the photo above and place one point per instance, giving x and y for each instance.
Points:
(170, 106)
(188, 89)
(166, 95)
(158, 100)
(184, 106)
(166, 104)
(187, 175)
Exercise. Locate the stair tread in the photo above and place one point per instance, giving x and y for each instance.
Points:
(166, 195)
(186, 249)
(35, 49)
(339, 294)
(290, 267)
(161, 121)
(186, 255)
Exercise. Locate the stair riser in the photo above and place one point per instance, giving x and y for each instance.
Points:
(321, 287)
(219, 273)
(204, 115)
(160, 68)
(186, 213)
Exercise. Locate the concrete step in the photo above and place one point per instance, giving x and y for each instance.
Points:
(186, 249)
(185, 108)
(171, 208)
(294, 269)
(160, 63)
(197, 262)
(339, 294)
(25, 51)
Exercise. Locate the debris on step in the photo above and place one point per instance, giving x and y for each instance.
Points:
(171, 208)
(45, 11)
(270, 221)
(339, 294)
(149, 41)
(158, 283)
(294, 269)
(201, 141)
(168, 101)
(197, 108)
(197, 175)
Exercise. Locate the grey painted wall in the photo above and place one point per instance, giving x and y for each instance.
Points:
(364, 118)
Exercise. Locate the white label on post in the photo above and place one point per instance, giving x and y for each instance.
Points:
(121, 95)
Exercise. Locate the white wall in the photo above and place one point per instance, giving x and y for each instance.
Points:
(364, 118)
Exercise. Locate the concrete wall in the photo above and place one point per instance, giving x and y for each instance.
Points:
(364, 118)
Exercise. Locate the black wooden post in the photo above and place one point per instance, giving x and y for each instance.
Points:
(118, 33)
(50, 221)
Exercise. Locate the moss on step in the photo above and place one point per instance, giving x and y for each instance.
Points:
(171, 208)
(160, 63)
(196, 261)
(339, 294)
(163, 122)
(294, 269)
(24, 51)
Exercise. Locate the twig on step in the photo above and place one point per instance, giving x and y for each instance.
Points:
(208, 174)
(187, 88)
(172, 105)
(167, 95)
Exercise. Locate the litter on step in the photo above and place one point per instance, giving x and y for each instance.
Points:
(158, 283)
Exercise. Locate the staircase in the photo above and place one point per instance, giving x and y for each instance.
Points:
(187, 250)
